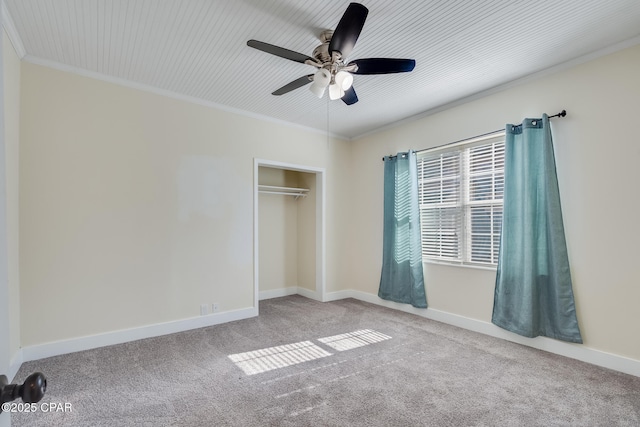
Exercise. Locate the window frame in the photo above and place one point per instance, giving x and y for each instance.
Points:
(464, 203)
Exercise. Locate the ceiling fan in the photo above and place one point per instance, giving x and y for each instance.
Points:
(329, 58)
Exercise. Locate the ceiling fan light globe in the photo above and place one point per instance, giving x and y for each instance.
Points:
(317, 90)
(335, 92)
(344, 79)
(322, 77)
(321, 80)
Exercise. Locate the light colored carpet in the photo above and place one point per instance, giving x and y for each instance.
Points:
(425, 374)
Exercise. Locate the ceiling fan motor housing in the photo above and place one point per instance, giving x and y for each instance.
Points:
(325, 36)
(321, 53)
(331, 62)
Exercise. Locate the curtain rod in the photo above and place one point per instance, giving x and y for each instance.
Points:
(562, 113)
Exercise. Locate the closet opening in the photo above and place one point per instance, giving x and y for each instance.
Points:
(289, 230)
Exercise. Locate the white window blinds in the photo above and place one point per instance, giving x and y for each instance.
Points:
(460, 193)
(439, 191)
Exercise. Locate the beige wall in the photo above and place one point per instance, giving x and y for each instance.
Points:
(137, 208)
(11, 64)
(278, 224)
(597, 153)
(306, 231)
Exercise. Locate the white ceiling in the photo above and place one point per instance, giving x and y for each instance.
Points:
(197, 48)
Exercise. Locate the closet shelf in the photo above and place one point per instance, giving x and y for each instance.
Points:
(284, 191)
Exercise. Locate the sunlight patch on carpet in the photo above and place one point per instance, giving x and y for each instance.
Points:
(268, 359)
(352, 340)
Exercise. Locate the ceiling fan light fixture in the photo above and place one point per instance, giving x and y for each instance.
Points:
(321, 80)
(335, 91)
(344, 79)
(330, 57)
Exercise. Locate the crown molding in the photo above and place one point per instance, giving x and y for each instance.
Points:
(169, 94)
(513, 83)
(10, 28)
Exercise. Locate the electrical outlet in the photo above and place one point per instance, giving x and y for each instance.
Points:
(204, 309)
(215, 307)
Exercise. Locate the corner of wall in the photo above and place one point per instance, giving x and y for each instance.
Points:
(12, 83)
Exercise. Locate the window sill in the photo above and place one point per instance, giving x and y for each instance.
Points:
(455, 264)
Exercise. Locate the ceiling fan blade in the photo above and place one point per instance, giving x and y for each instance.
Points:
(350, 96)
(383, 65)
(279, 51)
(293, 85)
(348, 29)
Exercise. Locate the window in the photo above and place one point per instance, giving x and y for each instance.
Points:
(460, 191)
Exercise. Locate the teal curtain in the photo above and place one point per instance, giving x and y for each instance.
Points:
(402, 277)
(533, 293)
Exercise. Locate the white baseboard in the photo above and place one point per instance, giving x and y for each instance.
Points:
(307, 293)
(277, 293)
(14, 365)
(335, 296)
(291, 290)
(573, 351)
(56, 348)
(72, 345)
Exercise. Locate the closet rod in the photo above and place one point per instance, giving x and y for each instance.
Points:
(283, 193)
(562, 113)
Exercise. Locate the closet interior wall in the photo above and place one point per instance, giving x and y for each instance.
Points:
(287, 234)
